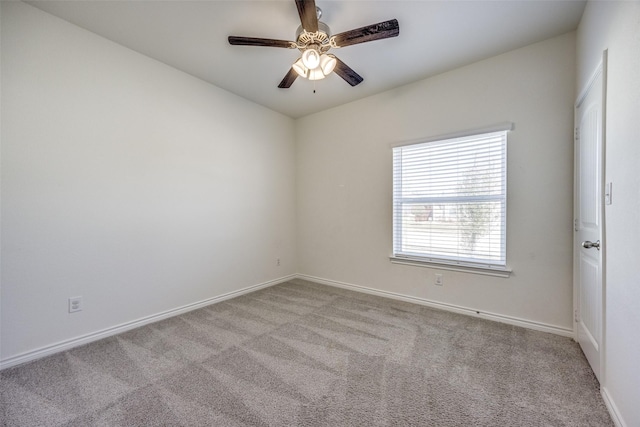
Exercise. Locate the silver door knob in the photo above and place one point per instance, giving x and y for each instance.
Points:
(589, 245)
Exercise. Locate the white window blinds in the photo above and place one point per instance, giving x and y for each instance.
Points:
(449, 201)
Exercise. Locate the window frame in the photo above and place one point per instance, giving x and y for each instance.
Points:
(452, 262)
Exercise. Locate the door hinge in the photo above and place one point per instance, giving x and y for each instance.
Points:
(576, 316)
(576, 134)
(575, 224)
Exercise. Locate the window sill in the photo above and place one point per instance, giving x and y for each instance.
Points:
(445, 266)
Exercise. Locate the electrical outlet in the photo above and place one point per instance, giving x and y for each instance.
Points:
(75, 304)
(439, 280)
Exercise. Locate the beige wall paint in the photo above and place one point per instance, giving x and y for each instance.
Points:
(615, 26)
(344, 182)
(127, 182)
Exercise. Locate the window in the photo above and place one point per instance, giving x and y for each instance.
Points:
(449, 201)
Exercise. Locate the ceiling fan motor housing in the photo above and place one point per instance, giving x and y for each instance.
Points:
(319, 38)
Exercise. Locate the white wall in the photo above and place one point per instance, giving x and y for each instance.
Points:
(0, 183)
(127, 182)
(344, 182)
(615, 26)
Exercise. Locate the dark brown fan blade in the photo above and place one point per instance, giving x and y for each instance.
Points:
(308, 15)
(253, 41)
(288, 79)
(349, 76)
(381, 30)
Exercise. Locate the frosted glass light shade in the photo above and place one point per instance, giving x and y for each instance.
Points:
(327, 63)
(299, 68)
(311, 58)
(316, 74)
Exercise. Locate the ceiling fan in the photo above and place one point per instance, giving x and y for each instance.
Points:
(314, 39)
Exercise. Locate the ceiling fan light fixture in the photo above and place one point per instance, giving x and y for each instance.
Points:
(325, 67)
(314, 39)
(311, 58)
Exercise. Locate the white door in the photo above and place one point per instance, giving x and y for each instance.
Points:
(588, 242)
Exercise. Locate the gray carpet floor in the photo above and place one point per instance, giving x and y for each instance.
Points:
(303, 354)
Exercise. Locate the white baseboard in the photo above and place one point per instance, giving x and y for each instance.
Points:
(94, 336)
(613, 409)
(104, 333)
(529, 324)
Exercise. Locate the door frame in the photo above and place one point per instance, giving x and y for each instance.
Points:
(601, 68)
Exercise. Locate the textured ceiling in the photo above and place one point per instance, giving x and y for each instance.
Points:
(435, 36)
